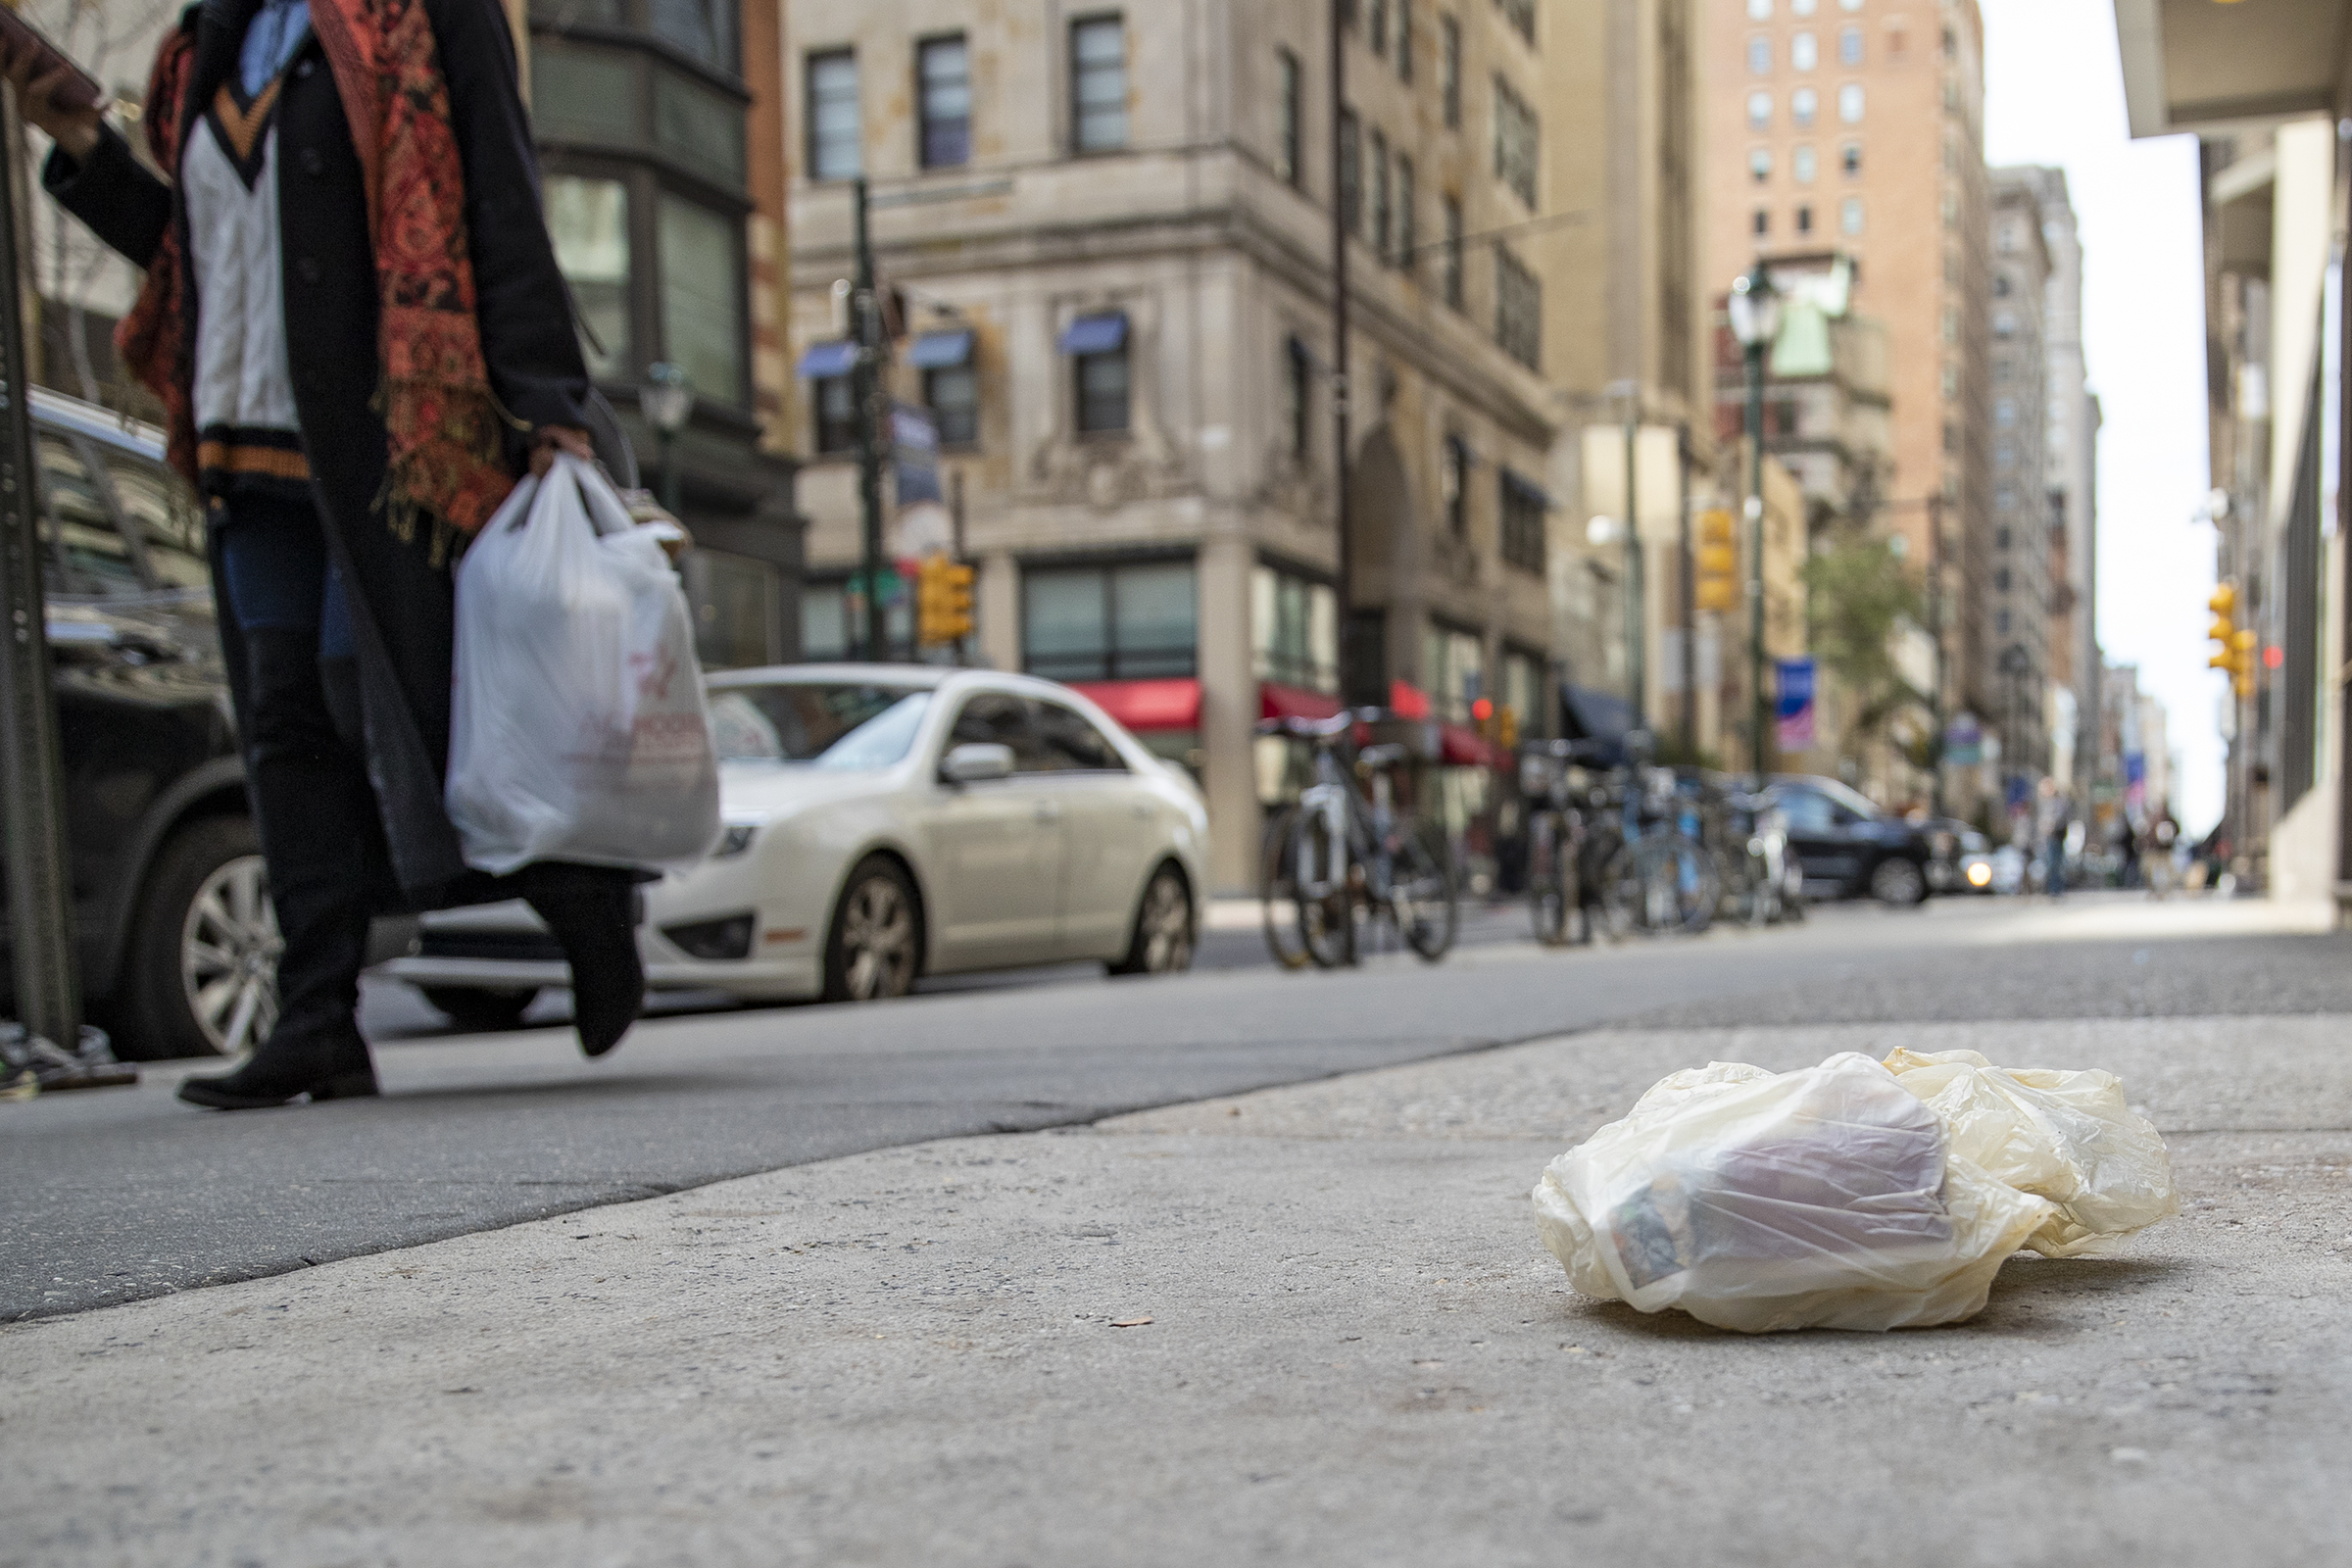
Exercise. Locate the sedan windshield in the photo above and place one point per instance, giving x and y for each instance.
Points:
(851, 725)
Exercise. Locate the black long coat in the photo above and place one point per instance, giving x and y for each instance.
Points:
(401, 600)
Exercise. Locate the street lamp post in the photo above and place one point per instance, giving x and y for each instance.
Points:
(666, 400)
(1755, 312)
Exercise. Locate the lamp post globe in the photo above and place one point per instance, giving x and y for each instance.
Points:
(666, 400)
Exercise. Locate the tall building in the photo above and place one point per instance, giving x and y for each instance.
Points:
(2021, 591)
(1857, 127)
(1111, 231)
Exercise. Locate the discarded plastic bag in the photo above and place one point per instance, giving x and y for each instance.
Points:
(577, 726)
(1756, 1200)
(2069, 1137)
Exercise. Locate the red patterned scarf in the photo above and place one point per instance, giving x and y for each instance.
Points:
(447, 432)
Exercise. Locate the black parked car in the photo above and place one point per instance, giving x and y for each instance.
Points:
(1848, 847)
(178, 945)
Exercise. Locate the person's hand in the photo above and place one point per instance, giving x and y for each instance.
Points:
(76, 130)
(549, 439)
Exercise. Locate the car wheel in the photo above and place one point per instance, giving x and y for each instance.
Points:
(478, 1011)
(1898, 882)
(877, 943)
(1163, 943)
(201, 977)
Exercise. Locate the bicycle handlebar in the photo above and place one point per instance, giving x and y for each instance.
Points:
(1322, 729)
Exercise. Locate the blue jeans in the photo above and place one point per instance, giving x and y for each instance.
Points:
(279, 577)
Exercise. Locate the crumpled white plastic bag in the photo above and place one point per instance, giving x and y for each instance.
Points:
(1755, 1200)
(577, 724)
(2068, 1137)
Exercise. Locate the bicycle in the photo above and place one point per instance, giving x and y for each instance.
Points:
(1659, 878)
(1763, 884)
(1559, 889)
(1346, 844)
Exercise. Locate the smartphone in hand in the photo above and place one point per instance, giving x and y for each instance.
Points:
(19, 39)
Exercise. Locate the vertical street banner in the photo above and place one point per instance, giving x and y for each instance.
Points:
(915, 455)
(2135, 781)
(1794, 706)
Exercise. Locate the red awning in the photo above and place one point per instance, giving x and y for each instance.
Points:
(1408, 700)
(1294, 702)
(1461, 746)
(1145, 706)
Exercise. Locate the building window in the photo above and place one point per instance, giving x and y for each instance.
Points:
(1453, 253)
(1804, 220)
(1450, 70)
(589, 221)
(1850, 215)
(1098, 85)
(1098, 349)
(1453, 485)
(2000, 623)
(1294, 630)
(1759, 56)
(1849, 4)
(1801, 8)
(1759, 111)
(836, 416)
(702, 297)
(1409, 225)
(1405, 40)
(834, 142)
(1851, 103)
(1291, 155)
(1521, 15)
(1518, 310)
(1454, 666)
(1523, 507)
(2004, 323)
(2000, 580)
(1761, 224)
(2001, 538)
(1804, 52)
(2004, 411)
(1804, 105)
(944, 76)
(1300, 380)
(1118, 622)
(1383, 215)
(1849, 46)
(1375, 26)
(703, 30)
(1759, 164)
(1849, 157)
(951, 385)
(1803, 165)
(1759, 10)
(1515, 140)
(1352, 172)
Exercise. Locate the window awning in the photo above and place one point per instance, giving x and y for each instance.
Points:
(824, 361)
(1146, 706)
(1461, 746)
(941, 351)
(1095, 334)
(1526, 490)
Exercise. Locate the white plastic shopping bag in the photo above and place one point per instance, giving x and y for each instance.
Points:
(577, 728)
(1757, 1200)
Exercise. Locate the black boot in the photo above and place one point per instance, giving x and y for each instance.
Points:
(592, 910)
(322, 837)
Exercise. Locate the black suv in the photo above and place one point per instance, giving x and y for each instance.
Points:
(1848, 847)
(178, 945)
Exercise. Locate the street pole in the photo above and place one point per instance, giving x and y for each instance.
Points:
(40, 909)
(1636, 587)
(1689, 594)
(1351, 681)
(865, 386)
(1755, 573)
(1936, 635)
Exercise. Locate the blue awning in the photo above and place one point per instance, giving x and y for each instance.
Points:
(1526, 491)
(1095, 334)
(941, 351)
(825, 361)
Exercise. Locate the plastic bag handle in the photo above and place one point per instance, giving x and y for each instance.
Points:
(607, 515)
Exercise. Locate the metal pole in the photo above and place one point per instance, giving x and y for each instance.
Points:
(40, 909)
(865, 386)
(1936, 634)
(1352, 681)
(1637, 588)
(1689, 595)
(1755, 573)
(671, 487)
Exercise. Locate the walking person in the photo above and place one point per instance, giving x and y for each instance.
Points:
(352, 316)
(2054, 815)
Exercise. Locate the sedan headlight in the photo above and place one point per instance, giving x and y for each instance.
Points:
(736, 839)
(1980, 874)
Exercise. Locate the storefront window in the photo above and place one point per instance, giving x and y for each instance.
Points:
(589, 221)
(734, 603)
(1114, 623)
(1294, 630)
(1453, 664)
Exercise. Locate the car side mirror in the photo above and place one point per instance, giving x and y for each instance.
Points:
(976, 763)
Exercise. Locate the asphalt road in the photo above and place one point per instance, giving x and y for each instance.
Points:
(115, 1195)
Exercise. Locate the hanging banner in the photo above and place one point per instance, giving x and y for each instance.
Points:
(1794, 708)
(1963, 741)
(914, 453)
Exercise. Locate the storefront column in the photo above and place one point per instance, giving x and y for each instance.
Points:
(1228, 711)
(998, 607)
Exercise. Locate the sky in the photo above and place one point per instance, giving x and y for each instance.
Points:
(2054, 94)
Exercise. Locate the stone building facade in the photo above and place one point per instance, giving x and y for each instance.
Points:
(2021, 591)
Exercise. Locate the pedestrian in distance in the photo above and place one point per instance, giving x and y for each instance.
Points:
(2053, 815)
(353, 317)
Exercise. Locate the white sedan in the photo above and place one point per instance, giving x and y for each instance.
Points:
(885, 822)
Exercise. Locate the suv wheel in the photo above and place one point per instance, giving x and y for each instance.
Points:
(1898, 882)
(202, 964)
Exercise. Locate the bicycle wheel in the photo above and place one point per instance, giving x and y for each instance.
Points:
(1321, 870)
(1278, 894)
(1659, 885)
(1548, 877)
(1421, 893)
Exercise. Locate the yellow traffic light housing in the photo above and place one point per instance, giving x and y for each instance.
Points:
(1717, 566)
(942, 602)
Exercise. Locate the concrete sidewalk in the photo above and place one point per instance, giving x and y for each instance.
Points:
(1312, 1325)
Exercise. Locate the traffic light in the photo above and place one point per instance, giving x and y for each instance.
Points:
(2233, 649)
(1718, 585)
(942, 602)
(1506, 727)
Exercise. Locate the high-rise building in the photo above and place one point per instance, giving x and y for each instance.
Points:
(2018, 590)
(1857, 127)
